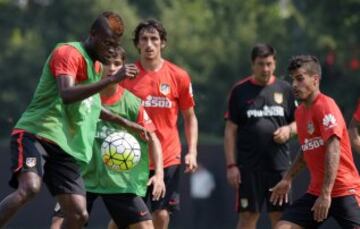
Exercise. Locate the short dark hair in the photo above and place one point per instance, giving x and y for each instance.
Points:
(309, 63)
(262, 50)
(120, 51)
(110, 20)
(149, 24)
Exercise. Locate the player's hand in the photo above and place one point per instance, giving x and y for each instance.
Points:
(321, 208)
(233, 176)
(159, 190)
(143, 132)
(128, 70)
(282, 134)
(190, 162)
(279, 193)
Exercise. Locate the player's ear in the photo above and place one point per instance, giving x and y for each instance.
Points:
(163, 44)
(317, 79)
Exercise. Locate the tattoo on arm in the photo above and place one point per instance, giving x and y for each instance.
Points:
(297, 166)
(331, 164)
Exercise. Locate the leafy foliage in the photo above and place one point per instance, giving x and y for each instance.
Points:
(212, 39)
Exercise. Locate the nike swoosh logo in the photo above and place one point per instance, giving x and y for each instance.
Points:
(142, 213)
(173, 202)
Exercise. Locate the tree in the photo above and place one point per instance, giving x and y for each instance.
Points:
(28, 37)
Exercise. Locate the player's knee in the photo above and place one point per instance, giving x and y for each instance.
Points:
(248, 219)
(82, 216)
(162, 215)
(56, 222)
(112, 225)
(28, 191)
(148, 224)
(284, 225)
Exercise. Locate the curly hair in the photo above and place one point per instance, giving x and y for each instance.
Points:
(149, 25)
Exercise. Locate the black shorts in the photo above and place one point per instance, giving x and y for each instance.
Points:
(125, 209)
(254, 191)
(344, 209)
(171, 201)
(59, 170)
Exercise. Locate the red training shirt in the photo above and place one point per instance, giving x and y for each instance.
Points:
(164, 93)
(67, 60)
(315, 125)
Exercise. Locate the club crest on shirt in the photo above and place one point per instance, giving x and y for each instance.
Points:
(244, 202)
(278, 97)
(30, 162)
(164, 88)
(310, 128)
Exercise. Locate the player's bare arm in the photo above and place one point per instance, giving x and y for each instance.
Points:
(331, 165)
(284, 133)
(354, 128)
(111, 117)
(233, 172)
(70, 92)
(191, 134)
(158, 179)
(279, 193)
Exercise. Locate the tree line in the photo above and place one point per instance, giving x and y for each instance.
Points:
(212, 39)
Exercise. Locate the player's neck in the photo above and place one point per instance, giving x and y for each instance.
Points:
(109, 90)
(308, 102)
(88, 48)
(152, 65)
(262, 82)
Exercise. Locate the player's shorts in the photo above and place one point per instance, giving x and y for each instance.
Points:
(59, 170)
(171, 201)
(254, 191)
(125, 209)
(344, 209)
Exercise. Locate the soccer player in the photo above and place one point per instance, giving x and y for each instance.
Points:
(56, 132)
(259, 123)
(165, 89)
(334, 188)
(354, 128)
(122, 192)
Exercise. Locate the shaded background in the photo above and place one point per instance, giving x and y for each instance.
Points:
(212, 39)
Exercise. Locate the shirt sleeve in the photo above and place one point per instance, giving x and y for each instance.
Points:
(292, 104)
(330, 120)
(356, 114)
(144, 120)
(232, 112)
(186, 99)
(67, 60)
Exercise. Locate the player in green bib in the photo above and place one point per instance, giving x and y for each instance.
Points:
(122, 191)
(54, 136)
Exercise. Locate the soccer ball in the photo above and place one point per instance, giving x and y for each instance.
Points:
(120, 151)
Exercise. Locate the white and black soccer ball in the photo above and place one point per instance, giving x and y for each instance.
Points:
(120, 151)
